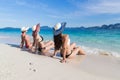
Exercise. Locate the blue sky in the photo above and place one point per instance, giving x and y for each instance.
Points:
(19, 13)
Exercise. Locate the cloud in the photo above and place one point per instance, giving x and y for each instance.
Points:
(26, 4)
(59, 16)
(8, 20)
(94, 7)
(116, 19)
(104, 7)
(54, 16)
(33, 4)
(40, 6)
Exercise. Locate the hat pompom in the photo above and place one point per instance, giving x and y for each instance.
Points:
(57, 26)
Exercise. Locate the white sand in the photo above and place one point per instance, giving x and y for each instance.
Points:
(16, 64)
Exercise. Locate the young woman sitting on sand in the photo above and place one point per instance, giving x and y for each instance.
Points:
(42, 47)
(25, 39)
(62, 43)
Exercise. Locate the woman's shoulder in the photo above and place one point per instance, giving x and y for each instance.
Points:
(26, 36)
(65, 36)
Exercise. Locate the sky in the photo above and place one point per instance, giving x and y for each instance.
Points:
(77, 13)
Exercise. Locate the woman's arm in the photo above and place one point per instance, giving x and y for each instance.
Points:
(34, 38)
(35, 46)
(22, 42)
(54, 54)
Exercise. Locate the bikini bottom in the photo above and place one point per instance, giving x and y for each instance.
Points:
(27, 46)
(40, 49)
(67, 54)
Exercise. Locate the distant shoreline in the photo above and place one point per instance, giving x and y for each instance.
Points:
(110, 26)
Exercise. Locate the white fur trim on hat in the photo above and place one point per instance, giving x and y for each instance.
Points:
(57, 26)
(34, 28)
(24, 28)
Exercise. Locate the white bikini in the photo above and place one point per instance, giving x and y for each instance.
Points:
(68, 42)
(38, 38)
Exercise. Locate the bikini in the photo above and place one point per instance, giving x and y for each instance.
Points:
(26, 45)
(40, 49)
(40, 39)
(67, 55)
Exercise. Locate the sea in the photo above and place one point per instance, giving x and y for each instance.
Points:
(92, 41)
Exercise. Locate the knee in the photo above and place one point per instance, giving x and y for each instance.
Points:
(74, 44)
(51, 42)
(81, 51)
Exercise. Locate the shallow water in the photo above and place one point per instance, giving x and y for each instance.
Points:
(92, 41)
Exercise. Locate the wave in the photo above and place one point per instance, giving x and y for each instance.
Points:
(96, 51)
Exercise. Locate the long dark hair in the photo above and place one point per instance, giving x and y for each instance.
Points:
(58, 41)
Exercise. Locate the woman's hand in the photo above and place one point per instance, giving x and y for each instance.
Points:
(63, 60)
(21, 46)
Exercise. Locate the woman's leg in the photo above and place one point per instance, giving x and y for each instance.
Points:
(47, 49)
(48, 46)
(72, 46)
(81, 52)
(76, 51)
(48, 43)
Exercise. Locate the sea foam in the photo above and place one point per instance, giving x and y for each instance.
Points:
(96, 51)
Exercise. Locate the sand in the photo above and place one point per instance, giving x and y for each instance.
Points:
(17, 64)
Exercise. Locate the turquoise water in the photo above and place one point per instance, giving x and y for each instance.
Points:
(92, 41)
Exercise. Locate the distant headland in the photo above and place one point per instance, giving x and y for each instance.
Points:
(109, 27)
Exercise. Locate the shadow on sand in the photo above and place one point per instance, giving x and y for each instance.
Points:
(18, 46)
(13, 45)
(24, 49)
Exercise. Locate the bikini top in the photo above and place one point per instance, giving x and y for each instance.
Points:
(39, 38)
(68, 42)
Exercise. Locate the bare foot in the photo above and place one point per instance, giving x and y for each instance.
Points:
(52, 55)
(62, 61)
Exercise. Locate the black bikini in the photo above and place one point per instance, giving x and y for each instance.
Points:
(66, 55)
(40, 49)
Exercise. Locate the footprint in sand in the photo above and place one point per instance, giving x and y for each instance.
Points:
(31, 68)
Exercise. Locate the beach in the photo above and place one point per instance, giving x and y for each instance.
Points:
(29, 26)
(17, 64)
